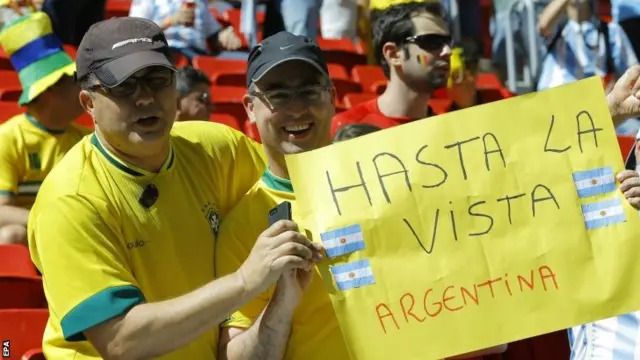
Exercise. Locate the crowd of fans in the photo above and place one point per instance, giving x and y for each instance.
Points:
(122, 215)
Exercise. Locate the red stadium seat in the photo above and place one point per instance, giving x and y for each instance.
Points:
(369, 76)
(344, 87)
(626, 144)
(440, 106)
(234, 109)
(117, 8)
(85, 120)
(9, 79)
(71, 50)
(21, 292)
(348, 59)
(10, 94)
(16, 260)
(552, 346)
(251, 130)
(9, 110)
(337, 71)
(33, 354)
(343, 44)
(226, 119)
(488, 80)
(231, 94)
(24, 329)
(351, 100)
(222, 71)
(180, 60)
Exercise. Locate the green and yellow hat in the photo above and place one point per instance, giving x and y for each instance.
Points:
(36, 54)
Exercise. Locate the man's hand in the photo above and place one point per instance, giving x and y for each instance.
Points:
(279, 249)
(17, 5)
(630, 187)
(228, 39)
(624, 98)
(184, 16)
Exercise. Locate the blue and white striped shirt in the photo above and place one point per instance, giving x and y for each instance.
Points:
(205, 25)
(581, 53)
(622, 10)
(616, 338)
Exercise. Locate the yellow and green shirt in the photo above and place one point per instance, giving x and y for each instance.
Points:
(101, 252)
(315, 334)
(28, 152)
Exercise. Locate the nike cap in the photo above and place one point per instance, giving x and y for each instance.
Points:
(115, 49)
(282, 47)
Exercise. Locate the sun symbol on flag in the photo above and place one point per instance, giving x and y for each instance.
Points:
(603, 213)
(343, 240)
(352, 275)
(594, 181)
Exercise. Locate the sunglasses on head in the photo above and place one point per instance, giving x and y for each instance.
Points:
(431, 42)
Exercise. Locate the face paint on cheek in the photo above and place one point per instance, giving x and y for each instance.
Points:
(422, 60)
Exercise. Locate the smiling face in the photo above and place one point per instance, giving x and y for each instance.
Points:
(292, 105)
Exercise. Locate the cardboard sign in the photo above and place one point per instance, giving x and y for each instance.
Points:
(474, 228)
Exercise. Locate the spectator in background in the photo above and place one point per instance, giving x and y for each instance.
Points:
(190, 30)
(521, 31)
(584, 46)
(412, 44)
(464, 70)
(353, 131)
(338, 19)
(70, 18)
(194, 97)
(34, 142)
(627, 14)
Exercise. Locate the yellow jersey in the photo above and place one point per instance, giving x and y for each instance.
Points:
(315, 334)
(28, 152)
(101, 252)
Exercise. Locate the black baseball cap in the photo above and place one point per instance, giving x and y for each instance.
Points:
(115, 49)
(279, 48)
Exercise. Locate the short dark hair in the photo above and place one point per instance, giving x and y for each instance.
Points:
(188, 77)
(394, 24)
(87, 82)
(351, 131)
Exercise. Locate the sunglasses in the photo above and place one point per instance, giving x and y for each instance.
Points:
(431, 42)
(154, 81)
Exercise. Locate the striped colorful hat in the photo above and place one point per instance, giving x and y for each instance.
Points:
(36, 54)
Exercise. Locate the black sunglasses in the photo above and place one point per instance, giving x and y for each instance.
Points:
(431, 42)
(154, 81)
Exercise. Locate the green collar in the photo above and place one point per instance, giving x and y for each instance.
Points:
(276, 183)
(35, 123)
(128, 168)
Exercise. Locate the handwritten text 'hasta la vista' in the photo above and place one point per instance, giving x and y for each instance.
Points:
(540, 193)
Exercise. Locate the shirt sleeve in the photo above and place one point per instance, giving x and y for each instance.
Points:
(234, 244)
(210, 25)
(142, 9)
(245, 167)
(622, 52)
(10, 168)
(74, 242)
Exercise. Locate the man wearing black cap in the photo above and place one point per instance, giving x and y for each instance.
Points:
(291, 99)
(123, 230)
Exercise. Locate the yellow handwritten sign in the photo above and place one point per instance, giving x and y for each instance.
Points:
(474, 228)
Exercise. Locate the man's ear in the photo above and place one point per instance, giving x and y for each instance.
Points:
(392, 53)
(86, 100)
(247, 102)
